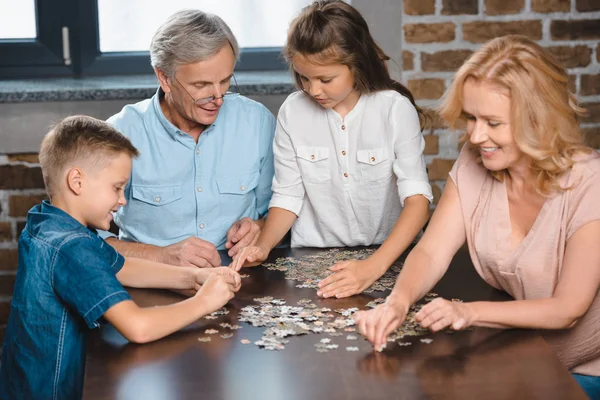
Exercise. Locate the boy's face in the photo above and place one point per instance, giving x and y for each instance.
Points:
(104, 192)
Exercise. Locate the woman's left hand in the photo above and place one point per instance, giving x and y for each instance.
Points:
(441, 313)
(349, 278)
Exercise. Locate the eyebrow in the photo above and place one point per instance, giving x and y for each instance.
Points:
(209, 83)
(488, 117)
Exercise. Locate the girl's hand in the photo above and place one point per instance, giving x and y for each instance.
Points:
(249, 257)
(441, 313)
(377, 324)
(349, 278)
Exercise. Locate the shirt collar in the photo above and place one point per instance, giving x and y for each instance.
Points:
(46, 210)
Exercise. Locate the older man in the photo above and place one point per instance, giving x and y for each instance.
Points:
(203, 180)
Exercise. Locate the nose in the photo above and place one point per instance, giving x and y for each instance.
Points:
(478, 132)
(122, 199)
(314, 89)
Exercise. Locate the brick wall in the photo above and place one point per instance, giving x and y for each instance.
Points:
(438, 35)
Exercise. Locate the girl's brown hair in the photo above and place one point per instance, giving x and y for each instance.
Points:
(544, 115)
(334, 32)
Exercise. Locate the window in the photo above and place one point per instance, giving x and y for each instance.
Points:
(100, 37)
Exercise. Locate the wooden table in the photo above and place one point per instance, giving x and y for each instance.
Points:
(480, 364)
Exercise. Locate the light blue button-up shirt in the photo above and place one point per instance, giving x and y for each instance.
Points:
(180, 188)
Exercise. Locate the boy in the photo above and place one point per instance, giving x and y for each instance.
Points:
(68, 277)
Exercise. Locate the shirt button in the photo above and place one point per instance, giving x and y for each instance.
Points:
(242, 188)
(197, 151)
(343, 152)
(199, 188)
(312, 156)
(345, 174)
(372, 159)
(157, 199)
(201, 226)
(343, 127)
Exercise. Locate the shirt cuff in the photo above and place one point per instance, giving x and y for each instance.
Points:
(292, 204)
(106, 234)
(411, 188)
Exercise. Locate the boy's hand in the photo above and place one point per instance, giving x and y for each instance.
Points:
(249, 257)
(242, 233)
(219, 288)
(191, 252)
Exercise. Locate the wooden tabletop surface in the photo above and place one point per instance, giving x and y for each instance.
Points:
(479, 364)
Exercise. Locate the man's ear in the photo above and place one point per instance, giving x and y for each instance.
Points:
(163, 80)
(75, 180)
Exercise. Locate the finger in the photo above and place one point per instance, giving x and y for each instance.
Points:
(434, 317)
(333, 287)
(441, 323)
(459, 324)
(371, 326)
(340, 266)
(212, 256)
(230, 232)
(346, 292)
(243, 242)
(427, 309)
(239, 260)
(385, 326)
(331, 279)
(243, 230)
(196, 261)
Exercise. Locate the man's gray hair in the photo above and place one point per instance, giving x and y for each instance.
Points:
(187, 37)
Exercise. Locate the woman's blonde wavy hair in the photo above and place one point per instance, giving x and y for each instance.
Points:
(544, 115)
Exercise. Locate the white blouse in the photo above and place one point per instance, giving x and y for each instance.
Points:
(346, 178)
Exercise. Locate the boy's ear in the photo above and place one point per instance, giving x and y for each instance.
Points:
(75, 180)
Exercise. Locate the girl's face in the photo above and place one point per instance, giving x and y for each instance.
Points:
(486, 107)
(332, 85)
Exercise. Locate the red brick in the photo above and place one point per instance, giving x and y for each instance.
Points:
(426, 88)
(434, 120)
(432, 145)
(7, 283)
(548, 6)
(407, 61)
(592, 136)
(479, 31)
(26, 157)
(20, 177)
(572, 57)
(589, 85)
(583, 29)
(9, 259)
(498, 7)
(19, 205)
(419, 7)
(439, 169)
(587, 5)
(573, 83)
(429, 33)
(598, 52)
(593, 110)
(5, 232)
(447, 60)
(455, 7)
(4, 311)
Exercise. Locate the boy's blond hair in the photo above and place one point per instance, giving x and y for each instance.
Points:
(79, 139)
(544, 113)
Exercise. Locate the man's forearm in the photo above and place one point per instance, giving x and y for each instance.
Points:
(135, 249)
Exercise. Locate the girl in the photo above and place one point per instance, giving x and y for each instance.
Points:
(524, 196)
(349, 166)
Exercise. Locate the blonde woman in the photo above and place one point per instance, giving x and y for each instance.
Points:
(524, 195)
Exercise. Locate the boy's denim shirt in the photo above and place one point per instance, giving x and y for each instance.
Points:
(66, 281)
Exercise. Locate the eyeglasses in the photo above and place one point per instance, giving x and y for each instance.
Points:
(205, 100)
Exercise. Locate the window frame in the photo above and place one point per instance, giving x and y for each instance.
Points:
(43, 56)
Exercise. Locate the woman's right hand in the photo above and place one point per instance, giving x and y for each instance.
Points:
(249, 257)
(377, 324)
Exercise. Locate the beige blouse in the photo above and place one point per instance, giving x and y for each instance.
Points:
(532, 269)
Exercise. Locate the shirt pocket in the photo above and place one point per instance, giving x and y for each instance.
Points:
(237, 196)
(156, 195)
(313, 163)
(373, 164)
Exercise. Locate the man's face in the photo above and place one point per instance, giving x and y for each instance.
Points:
(194, 82)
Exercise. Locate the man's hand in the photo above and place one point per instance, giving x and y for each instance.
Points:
(249, 257)
(243, 232)
(349, 278)
(191, 252)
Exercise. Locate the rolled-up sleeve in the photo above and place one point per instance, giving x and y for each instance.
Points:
(264, 189)
(288, 188)
(409, 164)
